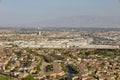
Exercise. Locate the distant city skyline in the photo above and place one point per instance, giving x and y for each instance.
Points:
(14, 12)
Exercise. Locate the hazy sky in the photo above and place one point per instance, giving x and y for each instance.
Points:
(17, 12)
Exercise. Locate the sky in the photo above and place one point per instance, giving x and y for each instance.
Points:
(19, 12)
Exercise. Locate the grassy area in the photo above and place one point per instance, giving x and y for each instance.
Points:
(3, 77)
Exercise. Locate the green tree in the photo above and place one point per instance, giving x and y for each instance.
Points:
(4, 77)
(29, 77)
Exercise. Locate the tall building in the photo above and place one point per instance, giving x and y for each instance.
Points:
(39, 33)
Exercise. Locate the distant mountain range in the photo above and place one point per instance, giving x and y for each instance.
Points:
(82, 21)
(79, 21)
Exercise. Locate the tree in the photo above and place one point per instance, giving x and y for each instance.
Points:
(49, 68)
(29, 77)
(4, 77)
